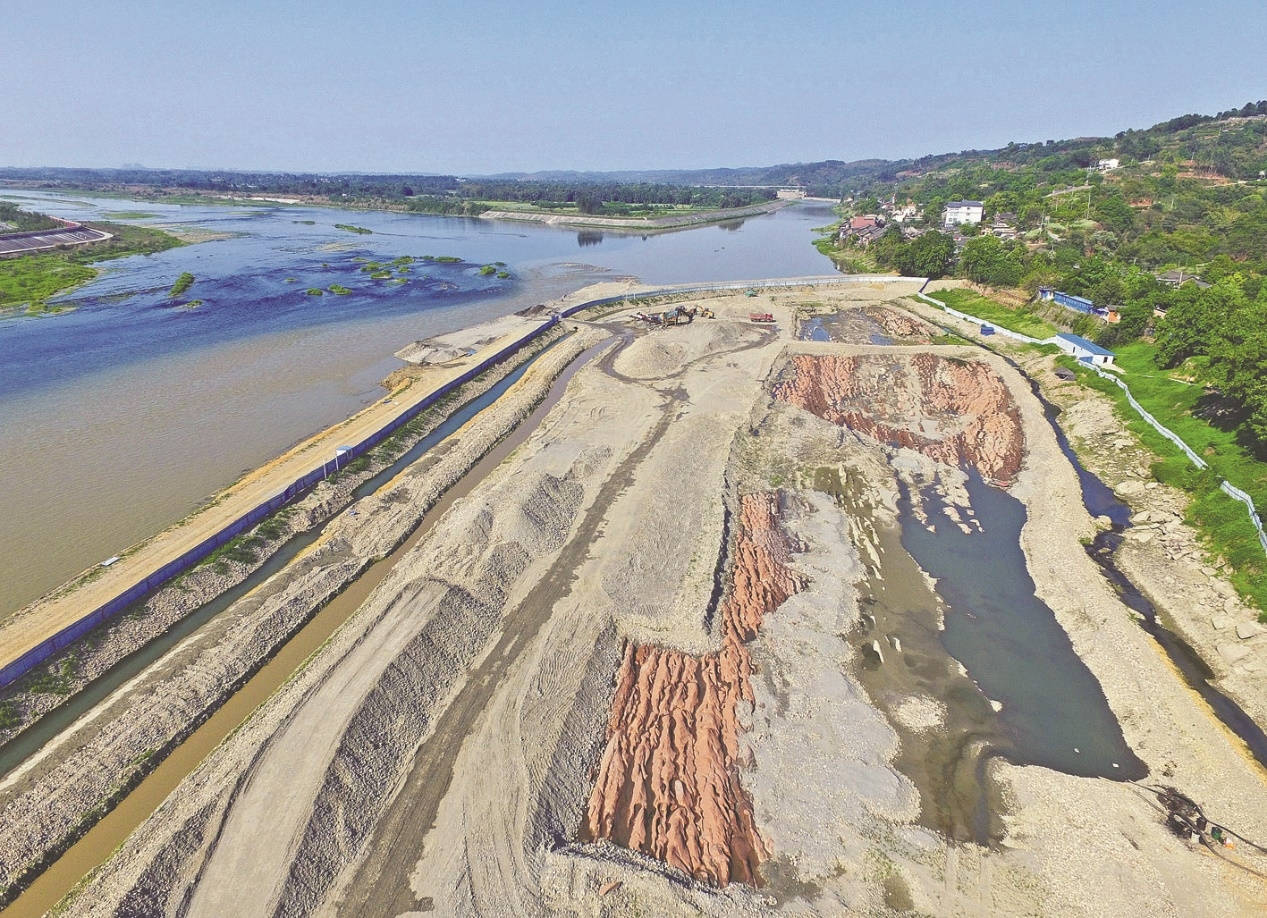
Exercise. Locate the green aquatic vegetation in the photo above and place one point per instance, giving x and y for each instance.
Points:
(399, 280)
(339, 290)
(128, 215)
(32, 279)
(350, 228)
(502, 275)
(292, 280)
(9, 716)
(192, 304)
(381, 275)
(487, 270)
(314, 291)
(183, 283)
(305, 222)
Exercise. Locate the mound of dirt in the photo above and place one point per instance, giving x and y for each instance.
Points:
(954, 411)
(668, 783)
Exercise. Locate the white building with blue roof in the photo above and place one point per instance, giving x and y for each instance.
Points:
(1082, 349)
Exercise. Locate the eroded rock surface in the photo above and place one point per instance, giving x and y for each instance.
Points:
(954, 411)
(668, 784)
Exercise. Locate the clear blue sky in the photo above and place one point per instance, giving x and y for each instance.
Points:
(476, 87)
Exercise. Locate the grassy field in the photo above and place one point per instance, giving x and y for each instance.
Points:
(1018, 320)
(1221, 521)
(29, 281)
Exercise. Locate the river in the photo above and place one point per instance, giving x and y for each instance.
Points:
(120, 416)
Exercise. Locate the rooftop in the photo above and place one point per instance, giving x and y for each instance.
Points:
(1088, 346)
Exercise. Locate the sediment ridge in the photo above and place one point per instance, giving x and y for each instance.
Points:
(668, 783)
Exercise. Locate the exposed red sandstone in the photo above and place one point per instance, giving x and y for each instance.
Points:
(668, 783)
(955, 411)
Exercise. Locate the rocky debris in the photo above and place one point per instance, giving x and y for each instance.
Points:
(955, 411)
(900, 325)
(668, 783)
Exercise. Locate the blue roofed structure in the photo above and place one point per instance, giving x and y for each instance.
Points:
(1084, 350)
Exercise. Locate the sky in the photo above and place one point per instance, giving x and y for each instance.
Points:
(477, 87)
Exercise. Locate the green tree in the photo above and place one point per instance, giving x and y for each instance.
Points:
(929, 255)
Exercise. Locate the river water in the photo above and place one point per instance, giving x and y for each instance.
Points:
(121, 416)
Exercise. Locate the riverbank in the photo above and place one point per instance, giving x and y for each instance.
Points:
(28, 282)
(637, 224)
(1164, 553)
(441, 751)
(37, 622)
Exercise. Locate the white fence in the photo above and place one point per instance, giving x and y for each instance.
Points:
(1225, 486)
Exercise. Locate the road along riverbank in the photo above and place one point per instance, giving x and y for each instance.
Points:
(443, 750)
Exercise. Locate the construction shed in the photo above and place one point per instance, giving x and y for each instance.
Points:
(1082, 349)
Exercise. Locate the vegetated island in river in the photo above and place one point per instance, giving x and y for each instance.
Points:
(28, 282)
(183, 283)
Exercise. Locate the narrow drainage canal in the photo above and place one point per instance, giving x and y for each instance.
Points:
(112, 830)
(1100, 500)
(27, 743)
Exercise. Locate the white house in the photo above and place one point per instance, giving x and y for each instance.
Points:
(1082, 349)
(1107, 165)
(960, 212)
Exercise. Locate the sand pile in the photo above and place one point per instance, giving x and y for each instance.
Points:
(668, 783)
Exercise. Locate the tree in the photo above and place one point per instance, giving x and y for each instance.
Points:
(987, 260)
(929, 255)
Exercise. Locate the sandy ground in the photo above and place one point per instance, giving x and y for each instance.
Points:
(32, 625)
(438, 753)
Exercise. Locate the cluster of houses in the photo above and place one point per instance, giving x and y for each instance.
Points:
(863, 230)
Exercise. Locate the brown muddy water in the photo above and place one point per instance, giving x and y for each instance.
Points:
(99, 842)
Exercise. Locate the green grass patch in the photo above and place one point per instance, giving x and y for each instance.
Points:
(9, 716)
(129, 215)
(339, 290)
(183, 283)
(502, 275)
(314, 291)
(350, 228)
(487, 270)
(32, 279)
(1222, 522)
(1022, 321)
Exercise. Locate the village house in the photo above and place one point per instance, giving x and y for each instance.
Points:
(1177, 277)
(1107, 165)
(961, 212)
(862, 230)
(1003, 226)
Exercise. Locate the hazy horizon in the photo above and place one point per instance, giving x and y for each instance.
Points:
(485, 87)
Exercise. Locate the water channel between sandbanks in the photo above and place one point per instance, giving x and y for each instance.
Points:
(106, 835)
(126, 412)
